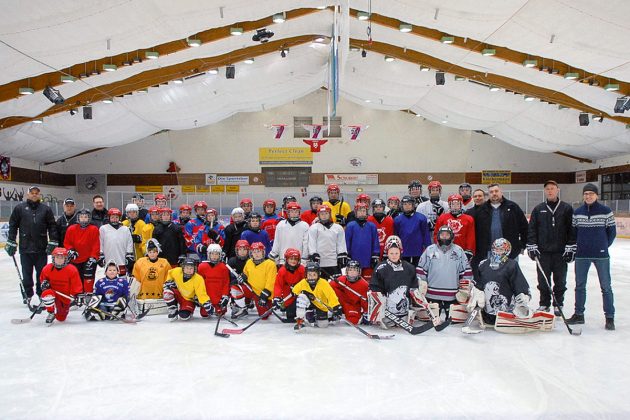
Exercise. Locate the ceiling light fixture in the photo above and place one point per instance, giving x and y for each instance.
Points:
(530, 63)
(583, 119)
(37, 121)
(363, 15)
(68, 79)
(460, 79)
(363, 53)
(178, 81)
(425, 68)
(236, 31)
(248, 61)
(108, 100)
(213, 71)
(368, 101)
(284, 52)
(389, 58)
(612, 87)
(571, 76)
(354, 48)
(494, 88)
(26, 91)
(529, 98)
(143, 90)
(53, 95)
(405, 27)
(322, 7)
(151, 55)
(279, 18)
(109, 67)
(193, 42)
(439, 78)
(447, 39)
(488, 52)
(622, 104)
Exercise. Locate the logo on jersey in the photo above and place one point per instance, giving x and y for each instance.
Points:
(455, 225)
(152, 274)
(381, 235)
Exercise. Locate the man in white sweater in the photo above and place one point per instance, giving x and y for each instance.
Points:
(327, 244)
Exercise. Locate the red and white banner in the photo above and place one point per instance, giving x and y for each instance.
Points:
(315, 144)
(351, 179)
(354, 131)
(277, 130)
(315, 131)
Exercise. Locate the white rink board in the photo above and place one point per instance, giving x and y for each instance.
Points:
(158, 369)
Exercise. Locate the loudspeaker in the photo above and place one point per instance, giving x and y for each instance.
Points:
(87, 112)
(584, 121)
(230, 72)
(439, 78)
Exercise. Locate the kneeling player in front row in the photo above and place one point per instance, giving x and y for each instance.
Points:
(59, 276)
(354, 301)
(217, 279)
(110, 295)
(256, 282)
(183, 285)
(502, 293)
(316, 302)
(290, 274)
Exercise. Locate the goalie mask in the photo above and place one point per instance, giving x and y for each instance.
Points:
(445, 237)
(500, 253)
(353, 271)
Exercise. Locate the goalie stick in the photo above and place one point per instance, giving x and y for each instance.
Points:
(572, 331)
(125, 320)
(466, 328)
(436, 321)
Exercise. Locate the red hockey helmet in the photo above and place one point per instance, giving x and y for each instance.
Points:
(162, 210)
(160, 197)
(454, 197)
(114, 212)
(393, 198)
(211, 211)
(270, 202)
(293, 206)
(246, 201)
(292, 252)
(241, 243)
(435, 184)
(333, 187)
(258, 246)
(184, 207)
(59, 251)
(324, 208)
(363, 198)
(154, 209)
(360, 205)
(200, 203)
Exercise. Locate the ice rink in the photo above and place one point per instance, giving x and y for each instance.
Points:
(158, 369)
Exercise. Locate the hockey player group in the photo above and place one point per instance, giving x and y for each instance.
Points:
(412, 263)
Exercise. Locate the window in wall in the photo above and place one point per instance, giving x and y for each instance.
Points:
(298, 130)
(335, 126)
(616, 186)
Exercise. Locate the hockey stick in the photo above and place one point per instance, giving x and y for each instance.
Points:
(572, 331)
(26, 320)
(216, 329)
(125, 320)
(436, 321)
(466, 328)
(242, 330)
(22, 289)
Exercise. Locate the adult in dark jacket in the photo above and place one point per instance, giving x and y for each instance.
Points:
(69, 217)
(99, 212)
(38, 237)
(170, 235)
(551, 239)
(498, 218)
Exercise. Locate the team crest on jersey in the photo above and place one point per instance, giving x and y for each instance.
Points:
(381, 235)
(152, 274)
(455, 225)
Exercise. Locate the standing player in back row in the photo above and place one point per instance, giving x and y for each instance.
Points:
(339, 208)
(435, 207)
(462, 225)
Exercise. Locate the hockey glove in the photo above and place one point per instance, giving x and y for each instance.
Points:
(308, 294)
(374, 261)
(315, 258)
(10, 247)
(72, 255)
(214, 236)
(342, 260)
(341, 220)
(89, 268)
(264, 298)
(129, 259)
(477, 299)
(137, 239)
(273, 256)
(208, 307)
(336, 313)
(45, 285)
(521, 306)
(51, 246)
(170, 284)
(201, 249)
(569, 253)
(469, 255)
(278, 303)
(533, 252)
(223, 303)
(101, 260)
(242, 278)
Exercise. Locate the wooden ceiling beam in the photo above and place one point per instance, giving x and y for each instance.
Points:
(38, 83)
(559, 68)
(507, 83)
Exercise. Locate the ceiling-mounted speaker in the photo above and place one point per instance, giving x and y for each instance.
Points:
(87, 112)
(584, 120)
(439, 78)
(230, 72)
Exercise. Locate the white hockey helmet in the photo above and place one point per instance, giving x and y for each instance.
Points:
(212, 248)
(131, 207)
(238, 210)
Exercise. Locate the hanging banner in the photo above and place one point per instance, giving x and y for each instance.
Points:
(285, 156)
(277, 130)
(354, 131)
(315, 131)
(351, 179)
(496, 176)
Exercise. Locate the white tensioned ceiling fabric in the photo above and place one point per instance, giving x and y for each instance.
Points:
(589, 35)
(270, 81)
(33, 105)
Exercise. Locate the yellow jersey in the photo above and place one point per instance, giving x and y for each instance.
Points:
(137, 230)
(261, 276)
(147, 233)
(151, 276)
(338, 209)
(323, 291)
(195, 286)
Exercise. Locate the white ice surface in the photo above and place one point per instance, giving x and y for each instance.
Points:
(158, 369)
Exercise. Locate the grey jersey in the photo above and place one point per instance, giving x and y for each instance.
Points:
(443, 271)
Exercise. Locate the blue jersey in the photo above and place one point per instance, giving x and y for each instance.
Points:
(413, 231)
(111, 289)
(362, 242)
(260, 236)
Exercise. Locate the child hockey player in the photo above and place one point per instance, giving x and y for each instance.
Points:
(288, 276)
(182, 286)
(290, 233)
(435, 207)
(253, 233)
(339, 209)
(354, 308)
(270, 219)
(256, 282)
(327, 244)
(462, 225)
(314, 297)
(412, 229)
(135, 225)
(393, 203)
(217, 280)
(83, 245)
(116, 243)
(384, 223)
(362, 240)
(59, 276)
(502, 293)
(211, 233)
(310, 215)
(238, 261)
(110, 295)
(194, 226)
(234, 230)
(443, 270)
(149, 274)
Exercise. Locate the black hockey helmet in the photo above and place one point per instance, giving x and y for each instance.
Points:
(445, 242)
(87, 213)
(353, 265)
(316, 199)
(407, 199)
(414, 184)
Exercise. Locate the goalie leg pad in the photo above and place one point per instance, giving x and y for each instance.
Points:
(376, 307)
(511, 324)
(423, 315)
(119, 306)
(463, 293)
(458, 313)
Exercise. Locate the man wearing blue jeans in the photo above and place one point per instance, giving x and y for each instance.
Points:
(596, 231)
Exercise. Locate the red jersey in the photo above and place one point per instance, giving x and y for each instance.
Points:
(285, 280)
(308, 216)
(217, 280)
(353, 306)
(83, 240)
(463, 227)
(384, 229)
(66, 280)
(269, 224)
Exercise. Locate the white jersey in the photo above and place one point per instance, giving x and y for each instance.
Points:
(327, 242)
(115, 243)
(288, 236)
(427, 209)
(443, 271)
